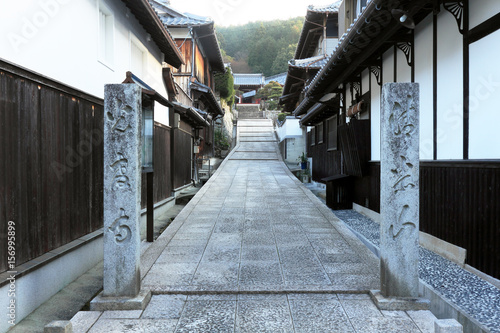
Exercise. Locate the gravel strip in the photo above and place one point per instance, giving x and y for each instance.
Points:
(477, 297)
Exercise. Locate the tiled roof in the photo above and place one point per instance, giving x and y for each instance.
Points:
(213, 105)
(248, 79)
(313, 63)
(250, 94)
(185, 20)
(332, 8)
(310, 34)
(280, 78)
(202, 26)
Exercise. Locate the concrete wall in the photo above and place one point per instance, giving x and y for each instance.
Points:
(38, 286)
(60, 39)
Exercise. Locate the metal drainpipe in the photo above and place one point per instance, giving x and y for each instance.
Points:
(193, 58)
(324, 35)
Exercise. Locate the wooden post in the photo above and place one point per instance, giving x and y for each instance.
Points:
(150, 207)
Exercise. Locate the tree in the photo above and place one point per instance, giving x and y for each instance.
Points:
(261, 57)
(261, 47)
(271, 93)
(280, 63)
(224, 84)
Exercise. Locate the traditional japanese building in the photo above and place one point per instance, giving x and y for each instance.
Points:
(55, 59)
(450, 49)
(194, 80)
(318, 38)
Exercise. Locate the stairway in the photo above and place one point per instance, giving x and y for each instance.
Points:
(249, 111)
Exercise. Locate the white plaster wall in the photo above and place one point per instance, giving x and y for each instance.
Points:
(404, 71)
(330, 44)
(388, 66)
(295, 148)
(39, 286)
(375, 119)
(481, 10)
(388, 76)
(423, 76)
(484, 109)
(365, 81)
(59, 39)
(450, 90)
(348, 96)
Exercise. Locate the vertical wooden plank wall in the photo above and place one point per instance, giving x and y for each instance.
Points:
(50, 162)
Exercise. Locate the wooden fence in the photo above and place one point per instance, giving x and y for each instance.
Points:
(459, 203)
(162, 180)
(51, 163)
(51, 157)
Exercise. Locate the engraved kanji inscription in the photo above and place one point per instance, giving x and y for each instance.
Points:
(121, 231)
(403, 175)
(121, 180)
(120, 118)
(402, 224)
(399, 119)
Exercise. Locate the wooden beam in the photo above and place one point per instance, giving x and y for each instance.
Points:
(484, 29)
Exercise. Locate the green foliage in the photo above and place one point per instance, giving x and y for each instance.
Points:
(224, 84)
(266, 47)
(282, 116)
(280, 63)
(271, 93)
(302, 158)
(221, 140)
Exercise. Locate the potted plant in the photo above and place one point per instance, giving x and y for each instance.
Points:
(222, 142)
(305, 176)
(303, 161)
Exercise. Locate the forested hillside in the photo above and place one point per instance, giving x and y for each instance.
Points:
(260, 47)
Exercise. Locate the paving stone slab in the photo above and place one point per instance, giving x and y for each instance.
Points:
(133, 326)
(268, 316)
(165, 307)
(208, 316)
(319, 316)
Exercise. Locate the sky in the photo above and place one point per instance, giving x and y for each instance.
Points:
(238, 12)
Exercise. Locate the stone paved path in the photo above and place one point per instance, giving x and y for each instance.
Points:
(255, 251)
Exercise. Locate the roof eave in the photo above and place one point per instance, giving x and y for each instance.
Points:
(151, 22)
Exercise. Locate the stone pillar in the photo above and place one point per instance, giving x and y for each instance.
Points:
(399, 190)
(122, 189)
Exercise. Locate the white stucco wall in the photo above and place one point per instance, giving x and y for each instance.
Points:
(423, 76)
(291, 129)
(294, 149)
(375, 119)
(484, 109)
(450, 90)
(388, 66)
(481, 10)
(60, 39)
(404, 71)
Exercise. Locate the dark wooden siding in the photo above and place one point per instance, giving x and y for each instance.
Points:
(325, 163)
(51, 151)
(162, 178)
(182, 161)
(367, 188)
(459, 203)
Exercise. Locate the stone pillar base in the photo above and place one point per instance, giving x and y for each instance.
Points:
(399, 303)
(138, 302)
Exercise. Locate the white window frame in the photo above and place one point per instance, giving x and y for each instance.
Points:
(106, 53)
(134, 41)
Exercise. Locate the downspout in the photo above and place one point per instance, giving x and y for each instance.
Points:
(193, 58)
(194, 166)
(324, 34)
